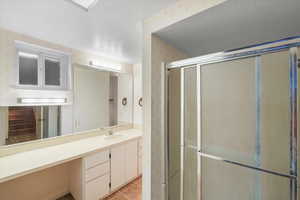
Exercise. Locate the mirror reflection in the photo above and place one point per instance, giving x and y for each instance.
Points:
(26, 123)
(99, 98)
(98, 101)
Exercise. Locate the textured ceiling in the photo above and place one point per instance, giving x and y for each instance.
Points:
(234, 24)
(112, 28)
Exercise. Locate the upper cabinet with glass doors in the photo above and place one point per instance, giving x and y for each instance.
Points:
(41, 68)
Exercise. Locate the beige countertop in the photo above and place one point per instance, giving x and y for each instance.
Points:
(20, 164)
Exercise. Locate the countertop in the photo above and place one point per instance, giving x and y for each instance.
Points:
(20, 164)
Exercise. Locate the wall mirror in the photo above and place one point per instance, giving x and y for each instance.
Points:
(99, 98)
(97, 103)
(27, 123)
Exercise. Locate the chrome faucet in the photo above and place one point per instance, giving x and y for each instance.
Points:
(110, 132)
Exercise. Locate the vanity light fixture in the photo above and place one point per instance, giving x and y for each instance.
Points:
(41, 100)
(85, 4)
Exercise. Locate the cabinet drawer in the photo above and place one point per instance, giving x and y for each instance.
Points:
(96, 159)
(97, 188)
(97, 171)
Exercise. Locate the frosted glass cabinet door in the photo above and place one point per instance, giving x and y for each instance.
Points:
(229, 110)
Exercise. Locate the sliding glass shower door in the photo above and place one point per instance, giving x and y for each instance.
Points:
(232, 129)
(184, 137)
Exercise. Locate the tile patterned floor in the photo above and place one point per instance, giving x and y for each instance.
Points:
(132, 191)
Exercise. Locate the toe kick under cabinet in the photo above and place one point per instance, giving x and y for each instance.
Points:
(99, 174)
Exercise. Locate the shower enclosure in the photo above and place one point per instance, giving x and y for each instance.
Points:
(232, 125)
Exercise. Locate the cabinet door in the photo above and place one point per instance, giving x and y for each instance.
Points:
(97, 188)
(131, 160)
(118, 167)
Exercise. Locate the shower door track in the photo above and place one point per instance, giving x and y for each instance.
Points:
(245, 52)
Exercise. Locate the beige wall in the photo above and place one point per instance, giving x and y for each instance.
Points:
(125, 90)
(48, 184)
(155, 52)
(161, 52)
(137, 94)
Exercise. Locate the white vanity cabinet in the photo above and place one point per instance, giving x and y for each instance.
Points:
(131, 150)
(90, 176)
(118, 167)
(97, 175)
(124, 159)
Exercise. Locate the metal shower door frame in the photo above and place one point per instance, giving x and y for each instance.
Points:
(290, 44)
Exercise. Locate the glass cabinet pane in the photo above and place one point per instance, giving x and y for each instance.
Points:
(52, 72)
(28, 68)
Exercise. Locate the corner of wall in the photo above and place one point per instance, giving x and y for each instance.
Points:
(155, 52)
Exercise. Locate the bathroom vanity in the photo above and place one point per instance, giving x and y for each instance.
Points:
(96, 166)
(56, 107)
